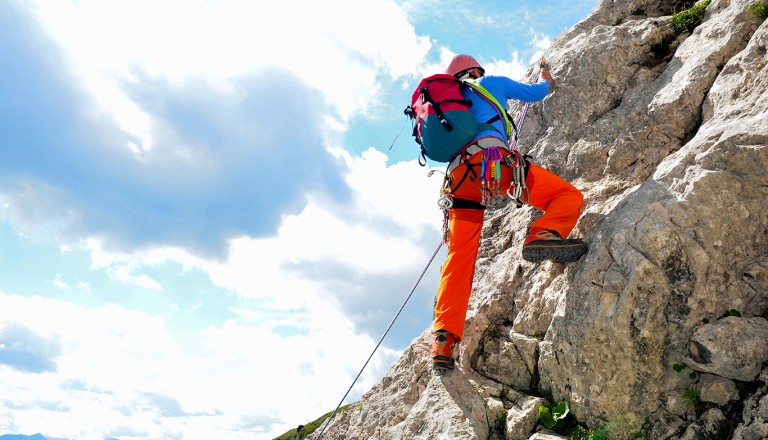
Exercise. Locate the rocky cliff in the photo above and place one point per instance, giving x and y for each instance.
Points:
(660, 331)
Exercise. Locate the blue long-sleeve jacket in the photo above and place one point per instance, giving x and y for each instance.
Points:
(503, 89)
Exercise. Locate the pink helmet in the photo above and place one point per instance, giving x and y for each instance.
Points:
(462, 62)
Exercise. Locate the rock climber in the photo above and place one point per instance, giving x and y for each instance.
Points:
(560, 202)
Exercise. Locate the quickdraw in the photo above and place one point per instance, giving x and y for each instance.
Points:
(490, 175)
(517, 191)
(444, 202)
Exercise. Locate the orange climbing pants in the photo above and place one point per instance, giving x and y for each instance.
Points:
(560, 201)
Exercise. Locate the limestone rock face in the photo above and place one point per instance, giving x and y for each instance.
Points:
(733, 347)
(661, 328)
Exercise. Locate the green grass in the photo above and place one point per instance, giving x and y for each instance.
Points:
(311, 427)
(759, 9)
(693, 399)
(687, 19)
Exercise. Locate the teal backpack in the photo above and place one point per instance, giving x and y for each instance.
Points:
(443, 124)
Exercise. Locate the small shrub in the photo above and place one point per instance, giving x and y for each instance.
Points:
(559, 419)
(551, 417)
(492, 332)
(687, 19)
(692, 398)
(682, 366)
(758, 9)
(732, 312)
(500, 425)
(582, 433)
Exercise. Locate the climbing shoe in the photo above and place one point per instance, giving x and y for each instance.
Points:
(544, 244)
(442, 352)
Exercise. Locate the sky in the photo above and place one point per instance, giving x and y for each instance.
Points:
(211, 210)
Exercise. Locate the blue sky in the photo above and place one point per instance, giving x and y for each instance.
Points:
(203, 230)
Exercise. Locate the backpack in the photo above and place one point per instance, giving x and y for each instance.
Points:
(442, 122)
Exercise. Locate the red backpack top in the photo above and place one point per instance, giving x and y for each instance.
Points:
(442, 122)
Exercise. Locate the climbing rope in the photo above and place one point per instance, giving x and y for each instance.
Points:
(521, 116)
(518, 191)
(328, 422)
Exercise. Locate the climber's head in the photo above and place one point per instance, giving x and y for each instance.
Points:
(463, 65)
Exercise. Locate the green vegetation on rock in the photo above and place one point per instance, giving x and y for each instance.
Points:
(310, 427)
(687, 19)
(759, 9)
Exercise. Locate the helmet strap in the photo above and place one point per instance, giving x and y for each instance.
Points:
(467, 74)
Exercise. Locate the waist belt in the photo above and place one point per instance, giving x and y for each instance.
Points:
(474, 148)
(513, 158)
(466, 204)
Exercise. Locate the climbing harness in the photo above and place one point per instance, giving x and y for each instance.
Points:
(418, 280)
(489, 177)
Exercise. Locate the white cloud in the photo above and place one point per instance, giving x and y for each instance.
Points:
(514, 69)
(111, 44)
(291, 344)
(391, 210)
(540, 42)
(402, 191)
(353, 237)
(121, 368)
(58, 282)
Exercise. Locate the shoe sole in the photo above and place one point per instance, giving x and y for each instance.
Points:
(442, 366)
(561, 251)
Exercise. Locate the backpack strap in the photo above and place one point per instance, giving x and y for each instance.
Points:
(422, 155)
(498, 118)
(501, 113)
